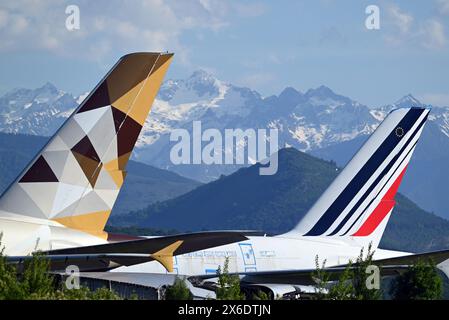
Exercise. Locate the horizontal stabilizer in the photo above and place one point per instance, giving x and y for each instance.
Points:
(112, 255)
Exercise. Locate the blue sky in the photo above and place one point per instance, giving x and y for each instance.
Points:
(266, 45)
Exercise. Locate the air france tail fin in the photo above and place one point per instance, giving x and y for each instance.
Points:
(76, 178)
(356, 207)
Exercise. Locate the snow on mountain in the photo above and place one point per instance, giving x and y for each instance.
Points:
(308, 121)
(40, 111)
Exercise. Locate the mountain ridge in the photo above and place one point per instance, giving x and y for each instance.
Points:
(310, 121)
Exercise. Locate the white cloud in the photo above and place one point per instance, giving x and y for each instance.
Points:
(401, 19)
(433, 34)
(428, 33)
(121, 26)
(443, 6)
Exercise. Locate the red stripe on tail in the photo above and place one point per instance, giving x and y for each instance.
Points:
(381, 211)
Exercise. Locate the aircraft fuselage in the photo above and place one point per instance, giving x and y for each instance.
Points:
(261, 253)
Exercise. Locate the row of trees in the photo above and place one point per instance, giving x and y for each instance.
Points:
(228, 287)
(420, 281)
(36, 283)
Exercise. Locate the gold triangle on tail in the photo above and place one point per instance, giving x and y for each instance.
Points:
(165, 255)
(92, 223)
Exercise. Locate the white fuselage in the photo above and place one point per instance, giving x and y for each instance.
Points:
(261, 253)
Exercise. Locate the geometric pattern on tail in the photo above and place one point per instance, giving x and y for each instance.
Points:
(76, 178)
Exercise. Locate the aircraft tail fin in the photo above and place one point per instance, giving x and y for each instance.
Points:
(77, 176)
(357, 205)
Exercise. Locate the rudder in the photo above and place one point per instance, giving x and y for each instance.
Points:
(357, 205)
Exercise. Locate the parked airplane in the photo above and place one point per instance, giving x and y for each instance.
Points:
(60, 203)
(63, 199)
(350, 215)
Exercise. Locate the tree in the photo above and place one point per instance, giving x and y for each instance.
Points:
(178, 291)
(360, 277)
(228, 285)
(84, 293)
(35, 282)
(343, 289)
(352, 283)
(9, 286)
(420, 282)
(321, 278)
(260, 295)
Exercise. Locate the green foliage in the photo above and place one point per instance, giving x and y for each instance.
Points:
(321, 278)
(360, 277)
(351, 284)
(260, 295)
(420, 282)
(343, 289)
(103, 294)
(84, 293)
(36, 283)
(178, 291)
(228, 285)
(72, 294)
(9, 286)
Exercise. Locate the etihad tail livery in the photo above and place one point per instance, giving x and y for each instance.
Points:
(350, 215)
(63, 199)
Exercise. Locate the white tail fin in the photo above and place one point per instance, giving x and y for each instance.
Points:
(357, 205)
(76, 178)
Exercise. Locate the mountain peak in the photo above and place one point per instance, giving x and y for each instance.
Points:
(201, 76)
(49, 87)
(325, 96)
(290, 92)
(321, 91)
(408, 101)
(290, 97)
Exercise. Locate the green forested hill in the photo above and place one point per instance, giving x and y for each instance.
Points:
(243, 200)
(246, 200)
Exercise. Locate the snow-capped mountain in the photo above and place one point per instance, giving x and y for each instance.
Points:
(318, 121)
(312, 120)
(40, 111)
